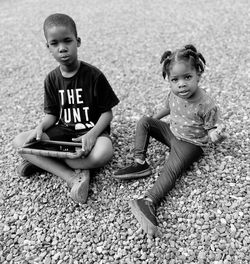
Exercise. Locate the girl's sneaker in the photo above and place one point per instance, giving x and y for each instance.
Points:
(80, 188)
(133, 171)
(26, 169)
(144, 212)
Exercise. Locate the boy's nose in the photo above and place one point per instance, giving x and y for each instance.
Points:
(62, 48)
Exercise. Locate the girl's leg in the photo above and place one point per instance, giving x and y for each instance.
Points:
(181, 157)
(146, 127)
(99, 156)
(149, 127)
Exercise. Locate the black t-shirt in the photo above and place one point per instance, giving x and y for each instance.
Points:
(79, 101)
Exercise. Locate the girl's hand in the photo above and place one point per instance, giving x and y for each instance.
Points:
(218, 134)
(88, 141)
(36, 134)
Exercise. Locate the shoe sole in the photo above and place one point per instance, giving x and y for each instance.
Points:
(136, 175)
(79, 191)
(146, 225)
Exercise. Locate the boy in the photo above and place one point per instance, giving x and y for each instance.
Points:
(78, 103)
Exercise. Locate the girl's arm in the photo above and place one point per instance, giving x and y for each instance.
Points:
(88, 140)
(48, 121)
(214, 126)
(164, 112)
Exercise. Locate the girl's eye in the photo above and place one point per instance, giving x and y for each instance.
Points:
(174, 80)
(188, 77)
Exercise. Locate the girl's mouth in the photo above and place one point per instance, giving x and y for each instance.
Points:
(184, 93)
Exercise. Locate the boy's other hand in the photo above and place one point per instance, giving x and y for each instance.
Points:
(88, 141)
(36, 134)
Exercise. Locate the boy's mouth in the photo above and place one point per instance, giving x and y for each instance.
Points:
(65, 57)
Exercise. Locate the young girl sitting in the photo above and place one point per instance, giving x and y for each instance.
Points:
(194, 122)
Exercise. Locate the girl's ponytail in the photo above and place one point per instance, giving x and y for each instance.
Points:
(165, 59)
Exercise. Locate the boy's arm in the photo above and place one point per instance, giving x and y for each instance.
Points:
(48, 121)
(103, 121)
(164, 112)
(88, 140)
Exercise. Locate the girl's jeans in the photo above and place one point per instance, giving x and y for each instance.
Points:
(182, 154)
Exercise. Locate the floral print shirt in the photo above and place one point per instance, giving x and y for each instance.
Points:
(191, 119)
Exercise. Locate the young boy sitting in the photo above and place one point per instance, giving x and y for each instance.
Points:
(78, 102)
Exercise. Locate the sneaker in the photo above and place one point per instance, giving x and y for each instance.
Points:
(26, 169)
(144, 212)
(134, 171)
(80, 188)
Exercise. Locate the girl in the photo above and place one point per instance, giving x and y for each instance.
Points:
(194, 122)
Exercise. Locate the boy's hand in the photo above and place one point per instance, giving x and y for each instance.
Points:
(36, 134)
(88, 141)
(218, 134)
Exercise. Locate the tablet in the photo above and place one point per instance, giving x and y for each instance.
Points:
(55, 149)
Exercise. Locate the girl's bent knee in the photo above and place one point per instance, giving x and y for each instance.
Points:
(143, 121)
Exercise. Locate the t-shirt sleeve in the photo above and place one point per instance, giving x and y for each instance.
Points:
(51, 104)
(104, 95)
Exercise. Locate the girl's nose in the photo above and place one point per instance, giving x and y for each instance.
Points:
(181, 83)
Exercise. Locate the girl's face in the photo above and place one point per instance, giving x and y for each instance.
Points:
(63, 44)
(183, 80)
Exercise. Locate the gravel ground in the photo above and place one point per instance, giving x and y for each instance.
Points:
(205, 219)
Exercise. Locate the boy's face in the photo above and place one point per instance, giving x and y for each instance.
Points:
(183, 80)
(63, 44)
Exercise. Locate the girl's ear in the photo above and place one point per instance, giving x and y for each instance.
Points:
(79, 42)
(199, 76)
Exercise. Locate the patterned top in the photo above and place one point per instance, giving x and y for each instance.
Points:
(190, 119)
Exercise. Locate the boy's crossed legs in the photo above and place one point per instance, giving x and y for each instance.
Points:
(66, 169)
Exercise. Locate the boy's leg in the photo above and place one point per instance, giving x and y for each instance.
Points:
(99, 156)
(57, 167)
(25, 169)
(146, 127)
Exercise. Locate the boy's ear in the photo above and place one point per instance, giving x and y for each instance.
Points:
(79, 42)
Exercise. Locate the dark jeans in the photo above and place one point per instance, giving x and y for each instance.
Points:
(182, 154)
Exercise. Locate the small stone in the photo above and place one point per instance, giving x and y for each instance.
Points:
(47, 260)
(143, 256)
(223, 221)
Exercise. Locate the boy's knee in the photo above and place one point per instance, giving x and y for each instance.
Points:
(17, 142)
(101, 160)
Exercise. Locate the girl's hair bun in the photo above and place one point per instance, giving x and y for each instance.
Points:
(190, 47)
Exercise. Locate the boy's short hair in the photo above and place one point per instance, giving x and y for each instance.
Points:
(58, 19)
